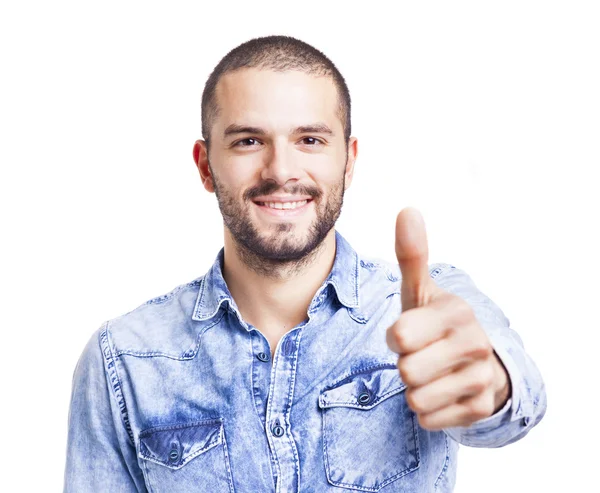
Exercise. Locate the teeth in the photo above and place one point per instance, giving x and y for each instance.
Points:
(285, 205)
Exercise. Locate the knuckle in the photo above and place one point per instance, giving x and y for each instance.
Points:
(402, 333)
(480, 348)
(487, 375)
(462, 309)
(482, 379)
(402, 338)
(424, 420)
(477, 386)
(414, 401)
(481, 408)
(406, 371)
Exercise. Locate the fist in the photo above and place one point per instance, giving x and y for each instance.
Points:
(452, 374)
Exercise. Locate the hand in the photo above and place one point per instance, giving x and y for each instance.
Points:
(452, 374)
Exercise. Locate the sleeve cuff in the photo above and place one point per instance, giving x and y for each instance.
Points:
(508, 413)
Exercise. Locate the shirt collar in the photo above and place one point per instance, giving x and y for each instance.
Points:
(343, 277)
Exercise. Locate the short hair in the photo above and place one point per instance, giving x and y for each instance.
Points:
(279, 53)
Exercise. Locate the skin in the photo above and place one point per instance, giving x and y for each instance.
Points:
(452, 373)
(273, 265)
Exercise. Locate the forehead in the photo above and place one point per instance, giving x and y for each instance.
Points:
(276, 99)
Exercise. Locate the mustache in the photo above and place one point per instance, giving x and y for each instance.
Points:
(269, 187)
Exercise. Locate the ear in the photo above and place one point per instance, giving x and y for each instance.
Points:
(352, 155)
(200, 155)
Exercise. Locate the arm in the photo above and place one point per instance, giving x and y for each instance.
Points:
(526, 404)
(101, 456)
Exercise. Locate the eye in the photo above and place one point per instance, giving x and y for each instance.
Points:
(249, 139)
(314, 139)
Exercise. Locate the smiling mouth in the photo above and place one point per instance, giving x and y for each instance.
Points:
(284, 205)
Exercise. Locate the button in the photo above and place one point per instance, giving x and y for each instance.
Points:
(263, 356)
(173, 455)
(364, 398)
(277, 430)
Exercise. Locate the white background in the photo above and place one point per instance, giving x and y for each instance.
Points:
(483, 115)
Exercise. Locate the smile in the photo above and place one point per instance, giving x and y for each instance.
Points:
(283, 205)
(286, 209)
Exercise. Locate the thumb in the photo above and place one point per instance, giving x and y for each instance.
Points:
(412, 252)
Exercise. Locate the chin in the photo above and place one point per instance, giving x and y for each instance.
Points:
(285, 246)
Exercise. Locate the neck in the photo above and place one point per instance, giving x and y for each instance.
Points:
(271, 295)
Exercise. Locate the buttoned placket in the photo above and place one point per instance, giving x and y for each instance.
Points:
(284, 454)
(279, 403)
(278, 428)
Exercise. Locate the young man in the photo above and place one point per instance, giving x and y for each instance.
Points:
(295, 364)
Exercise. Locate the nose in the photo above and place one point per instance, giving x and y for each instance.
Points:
(281, 164)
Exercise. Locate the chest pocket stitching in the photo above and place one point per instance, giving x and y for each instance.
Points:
(323, 403)
(156, 444)
(382, 382)
(345, 392)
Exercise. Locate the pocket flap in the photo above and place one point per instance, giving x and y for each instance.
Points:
(173, 446)
(363, 390)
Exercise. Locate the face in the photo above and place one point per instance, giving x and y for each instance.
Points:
(278, 161)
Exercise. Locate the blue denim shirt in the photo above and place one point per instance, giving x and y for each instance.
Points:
(181, 394)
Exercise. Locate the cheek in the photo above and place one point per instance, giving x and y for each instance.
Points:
(233, 181)
(244, 175)
(326, 171)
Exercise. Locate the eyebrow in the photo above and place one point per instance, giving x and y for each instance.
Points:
(236, 128)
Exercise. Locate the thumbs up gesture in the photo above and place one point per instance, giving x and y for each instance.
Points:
(452, 374)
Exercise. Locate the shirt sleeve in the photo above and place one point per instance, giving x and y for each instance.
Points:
(100, 455)
(526, 405)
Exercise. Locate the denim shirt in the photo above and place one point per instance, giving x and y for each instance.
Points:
(181, 394)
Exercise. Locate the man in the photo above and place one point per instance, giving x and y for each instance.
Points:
(295, 364)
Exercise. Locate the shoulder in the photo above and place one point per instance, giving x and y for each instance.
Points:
(380, 271)
(161, 326)
(381, 279)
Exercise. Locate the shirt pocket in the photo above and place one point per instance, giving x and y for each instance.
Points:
(370, 435)
(186, 457)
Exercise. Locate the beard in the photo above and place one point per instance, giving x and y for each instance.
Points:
(283, 246)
